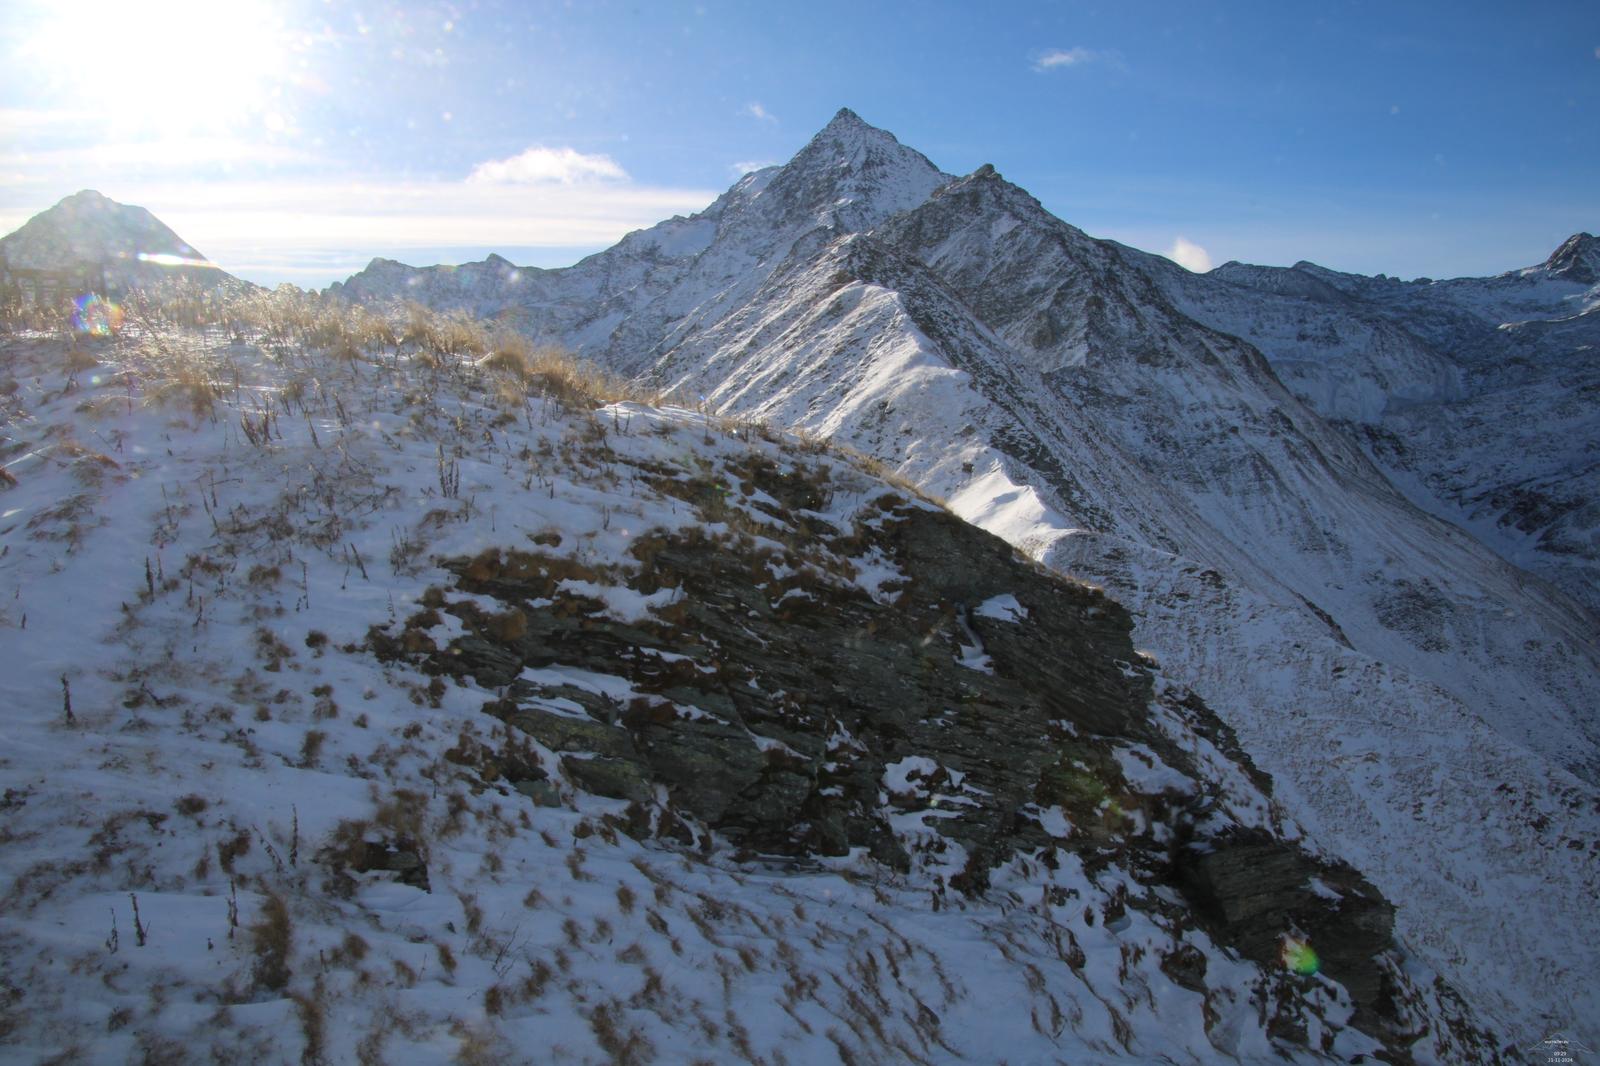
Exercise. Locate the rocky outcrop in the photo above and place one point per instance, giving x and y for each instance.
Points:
(1271, 900)
(1578, 259)
(731, 718)
(967, 710)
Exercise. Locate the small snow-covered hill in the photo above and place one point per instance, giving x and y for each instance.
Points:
(368, 700)
(1427, 705)
(115, 246)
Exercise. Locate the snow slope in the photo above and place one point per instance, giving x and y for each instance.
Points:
(1416, 695)
(1474, 394)
(237, 828)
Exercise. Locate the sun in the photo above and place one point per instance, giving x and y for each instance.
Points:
(164, 67)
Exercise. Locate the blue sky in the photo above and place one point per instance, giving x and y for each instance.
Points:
(295, 140)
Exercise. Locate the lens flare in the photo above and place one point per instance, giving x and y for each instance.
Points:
(166, 259)
(96, 315)
(1299, 956)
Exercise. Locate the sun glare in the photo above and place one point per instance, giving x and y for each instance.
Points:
(170, 67)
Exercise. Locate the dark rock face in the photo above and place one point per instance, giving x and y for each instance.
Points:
(779, 704)
(1259, 891)
(400, 858)
(1578, 259)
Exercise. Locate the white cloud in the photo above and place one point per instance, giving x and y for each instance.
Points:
(749, 166)
(1075, 57)
(755, 110)
(540, 165)
(1190, 255)
(1064, 58)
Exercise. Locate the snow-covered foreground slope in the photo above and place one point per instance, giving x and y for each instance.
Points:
(1429, 707)
(379, 707)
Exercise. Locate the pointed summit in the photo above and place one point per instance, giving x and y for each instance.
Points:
(853, 175)
(90, 199)
(846, 121)
(847, 127)
(93, 235)
(1578, 259)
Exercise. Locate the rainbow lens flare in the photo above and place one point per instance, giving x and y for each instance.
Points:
(96, 315)
(1300, 957)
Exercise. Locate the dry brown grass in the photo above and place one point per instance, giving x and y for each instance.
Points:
(186, 381)
(271, 940)
(180, 367)
(548, 371)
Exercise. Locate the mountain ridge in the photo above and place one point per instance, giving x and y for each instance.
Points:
(1120, 418)
(1435, 380)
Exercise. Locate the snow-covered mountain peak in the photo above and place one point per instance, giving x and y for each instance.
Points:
(88, 227)
(988, 209)
(846, 125)
(852, 176)
(1578, 259)
(89, 231)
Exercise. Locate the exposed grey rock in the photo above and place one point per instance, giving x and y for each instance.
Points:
(604, 776)
(1261, 891)
(543, 793)
(783, 741)
(400, 857)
